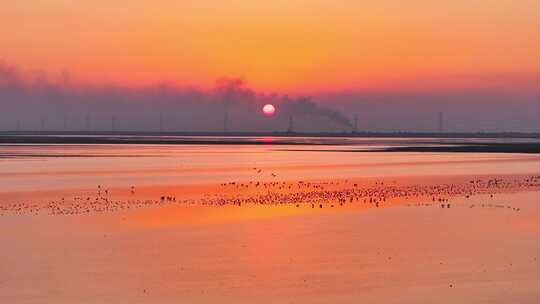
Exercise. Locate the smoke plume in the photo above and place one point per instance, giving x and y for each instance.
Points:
(36, 101)
(304, 106)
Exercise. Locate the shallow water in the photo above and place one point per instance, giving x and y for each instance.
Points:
(44, 167)
(483, 249)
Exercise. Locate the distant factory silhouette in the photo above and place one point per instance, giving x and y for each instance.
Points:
(43, 106)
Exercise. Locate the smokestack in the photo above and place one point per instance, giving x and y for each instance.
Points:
(441, 122)
(87, 122)
(113, 123)
(65, 123)
(355, 130)
(290, 128)
(43, 124)
(161, 122)
(231, 90)
(18, 125)
(226, 121)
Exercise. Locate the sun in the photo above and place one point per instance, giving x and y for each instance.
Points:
(269, 109)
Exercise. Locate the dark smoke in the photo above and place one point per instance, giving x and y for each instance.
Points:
(232, 90)
(304, 106)
(36, 101)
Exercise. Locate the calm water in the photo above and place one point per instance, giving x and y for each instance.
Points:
(43, 167)
(403, 253)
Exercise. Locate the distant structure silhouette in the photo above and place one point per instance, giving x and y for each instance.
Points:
(113, 123)
(161, 122)
(87, 122)
(290, 128)
(441, 122)
(226, 120)
(355, 129)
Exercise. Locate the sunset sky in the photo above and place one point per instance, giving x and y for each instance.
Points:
(280, 45)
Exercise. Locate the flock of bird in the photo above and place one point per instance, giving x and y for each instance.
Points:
(315, 195)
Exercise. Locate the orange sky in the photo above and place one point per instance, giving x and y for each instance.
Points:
(279, 45)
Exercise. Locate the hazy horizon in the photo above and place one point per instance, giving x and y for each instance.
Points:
(32, 101)
(395, 66)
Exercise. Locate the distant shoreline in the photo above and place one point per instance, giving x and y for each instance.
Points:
(482, 146)
(529, 148)
(525, 148)
(397, 134)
